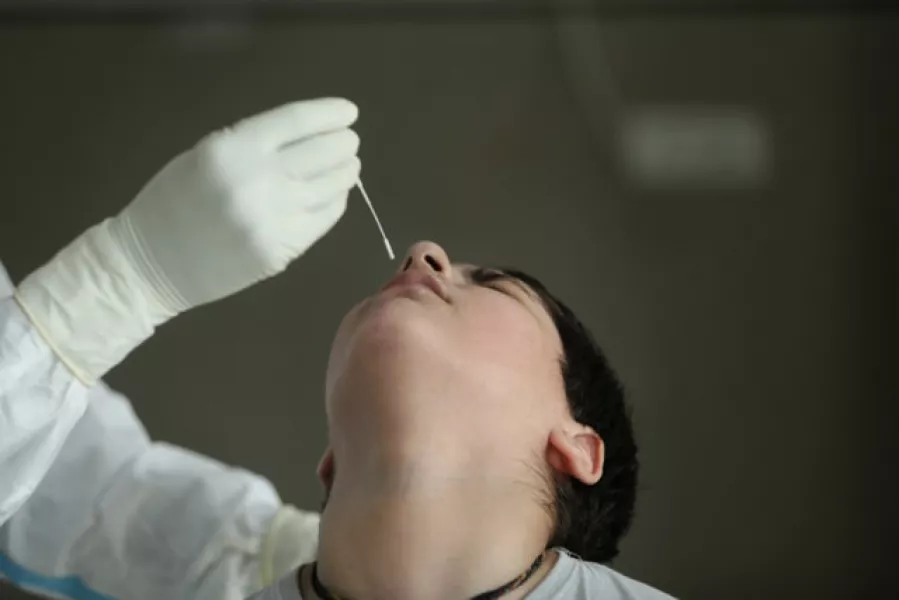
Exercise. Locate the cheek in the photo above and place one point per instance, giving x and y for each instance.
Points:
(506, 348)
(515, 383)
(501, 339)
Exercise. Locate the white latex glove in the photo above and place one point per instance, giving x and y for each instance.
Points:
(235, 209)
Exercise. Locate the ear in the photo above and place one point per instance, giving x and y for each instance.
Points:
(578, 451)
(325, 468)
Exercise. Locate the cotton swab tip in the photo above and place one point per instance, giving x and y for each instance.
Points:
(374, 214)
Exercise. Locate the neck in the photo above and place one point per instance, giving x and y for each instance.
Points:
(414, 536)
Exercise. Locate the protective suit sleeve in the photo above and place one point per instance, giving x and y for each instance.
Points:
(117, 516)
(40, 403)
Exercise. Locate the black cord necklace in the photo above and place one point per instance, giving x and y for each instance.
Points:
(323, 592)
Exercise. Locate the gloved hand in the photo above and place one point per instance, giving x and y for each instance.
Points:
(235, 209)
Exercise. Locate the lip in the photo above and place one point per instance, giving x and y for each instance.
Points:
(413, 277)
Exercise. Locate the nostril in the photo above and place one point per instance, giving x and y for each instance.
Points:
(407, 263)
(433, 263)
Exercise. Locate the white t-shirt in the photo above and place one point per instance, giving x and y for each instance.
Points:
(569, 579)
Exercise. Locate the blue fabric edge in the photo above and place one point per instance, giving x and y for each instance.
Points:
(70, 586)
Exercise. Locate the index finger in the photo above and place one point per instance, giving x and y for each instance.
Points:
(292, 122)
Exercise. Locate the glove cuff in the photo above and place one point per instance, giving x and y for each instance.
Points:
(89, 304)
(292, 540)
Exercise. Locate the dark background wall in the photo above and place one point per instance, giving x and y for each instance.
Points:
(754, 322)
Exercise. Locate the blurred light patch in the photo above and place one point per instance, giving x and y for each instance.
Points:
(696, 147)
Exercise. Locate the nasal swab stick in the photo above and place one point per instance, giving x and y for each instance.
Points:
(377, 220)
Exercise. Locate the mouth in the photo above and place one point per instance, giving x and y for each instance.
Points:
(418, 278)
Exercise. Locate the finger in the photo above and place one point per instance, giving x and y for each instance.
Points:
(332, 211)
(319, 154)
(319, 222)
(329, 210)
(295, 121)
(338, 180)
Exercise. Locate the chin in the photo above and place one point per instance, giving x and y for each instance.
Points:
(388, 334)
(396, 322)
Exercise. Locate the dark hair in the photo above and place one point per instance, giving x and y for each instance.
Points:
(589, 520)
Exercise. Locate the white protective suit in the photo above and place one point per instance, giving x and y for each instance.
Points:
(116, 515)
(90, 508)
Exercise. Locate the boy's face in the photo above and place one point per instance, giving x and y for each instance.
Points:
(438, 362)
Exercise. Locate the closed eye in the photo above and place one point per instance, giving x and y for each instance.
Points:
(492, 278)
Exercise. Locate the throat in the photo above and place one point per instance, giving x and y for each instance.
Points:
(454, 546)
(518, 584)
